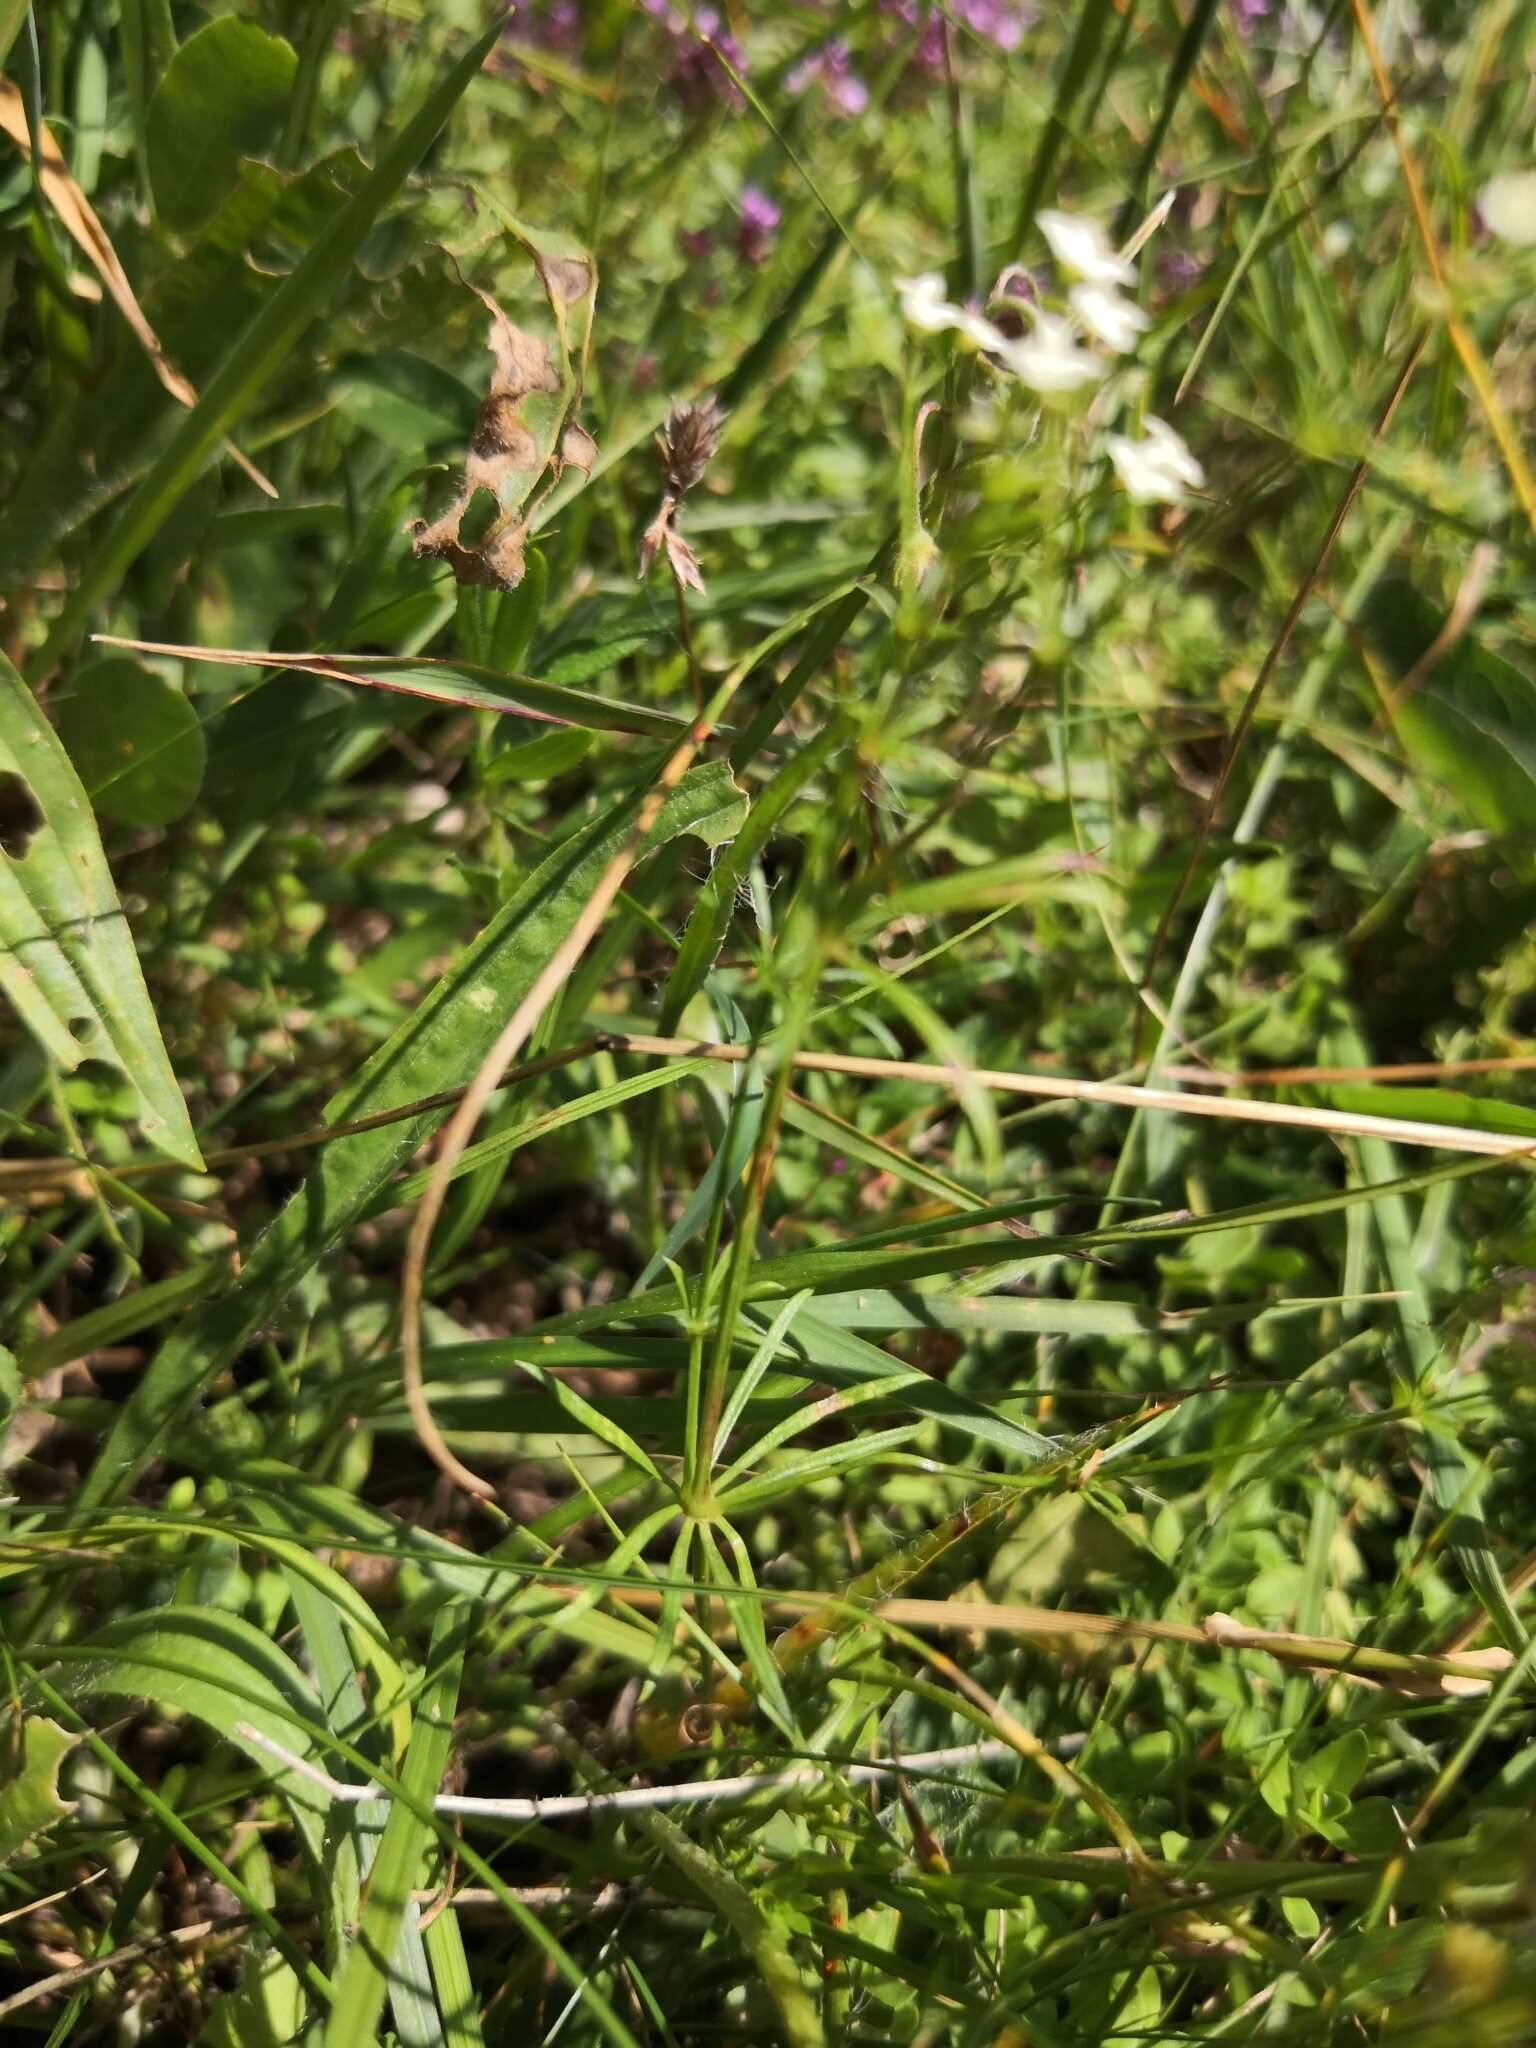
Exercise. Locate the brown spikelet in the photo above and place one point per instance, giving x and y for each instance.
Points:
(686, 446)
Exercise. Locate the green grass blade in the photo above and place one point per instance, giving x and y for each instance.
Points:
(400, 1863)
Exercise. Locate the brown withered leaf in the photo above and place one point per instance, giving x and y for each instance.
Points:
(525, 433)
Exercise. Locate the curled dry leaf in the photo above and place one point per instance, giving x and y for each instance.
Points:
(525, 432)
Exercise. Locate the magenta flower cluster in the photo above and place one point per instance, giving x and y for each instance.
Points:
(696, 75)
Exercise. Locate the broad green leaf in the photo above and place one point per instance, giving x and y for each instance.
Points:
(264, 348)
(67, 961)
(440, 1046)
(135, 741)
(222, 97)
(582, 664)
(29, 1789)
(1470, 721)
(1339, 1765)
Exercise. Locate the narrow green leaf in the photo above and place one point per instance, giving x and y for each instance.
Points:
(585, 1416)
(1092, 21)
(398, 1866)
(67, 961)
(115, 1320)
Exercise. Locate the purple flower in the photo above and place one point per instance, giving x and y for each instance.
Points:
(698, 75)
(929, 54)
(1000, 22)
(757, 224)
(555, 25)
(996, 20)
(1250, 13)
(833, 67)
(695, 243)
(1180, 268)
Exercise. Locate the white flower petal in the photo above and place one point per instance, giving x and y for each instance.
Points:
(1049, 358)
(1176, 457)
(1081, 246)
(924, 304)
(1158, 470)
(1108, 317)
(981, 331)
(1508, 205)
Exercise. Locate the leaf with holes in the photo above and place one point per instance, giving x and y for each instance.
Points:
(29, 1790)
(67, 961)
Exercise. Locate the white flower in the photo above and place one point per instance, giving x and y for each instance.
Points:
(1082, 247)
(1158, 470)
(1508, 205)
(1108, 318)
(1049, 357)
(924, 304)
(981, 331)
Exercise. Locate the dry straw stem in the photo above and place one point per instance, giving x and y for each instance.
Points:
(17, 1175)
(1455, 1673)
(84, 227)
(1404, 1070)
(130, 1954)
(1478, 373)
(1121, 1095)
